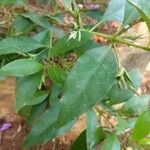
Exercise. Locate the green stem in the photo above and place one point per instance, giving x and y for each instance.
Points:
(119, 39)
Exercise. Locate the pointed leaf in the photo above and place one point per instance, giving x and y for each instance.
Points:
(18, 44)
(21, 67)
(88, 83)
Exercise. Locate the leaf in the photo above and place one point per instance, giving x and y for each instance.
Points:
(18, 44)
(21, 67)
(122, 125)
(94, 135)
(37, 19)
(55, 92)
(57, 74)
(39, 132)
(35, 113)
(22, 25)
(38, 98)
(111, 143)
(7, 2)
(26, 88)
(43, 37)
(142, 127)
(88, 83)
(95, 14)
(131, 14)
(65, 45)
(136, 105)
(118, 95)
(115, 11)
(143, 8)
(44, 129)
(80, 142)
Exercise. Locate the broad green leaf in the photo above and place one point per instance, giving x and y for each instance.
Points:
(115, 11)
(38, 20)
(21, 67)
(35, 113)
(67, 3)
(136, 105)
(122, 125)
(80, 142)
(38, 98)
(94, 135)
(7, 2)
(143, 8)
(26, 88)
(18, 44)
(111, 143)
(57, 74)
(22, 25)
(65, 44)
(142, 127)
(88, 83)
(131, 14)
(118, 95)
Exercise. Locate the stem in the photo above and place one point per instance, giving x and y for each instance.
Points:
(118, 39)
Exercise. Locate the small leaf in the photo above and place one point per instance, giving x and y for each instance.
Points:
(115, 11)
(38, 20)
(18, 44)
(142, 127)
(21, 67)
(143, 8)
(57, 74)
(118, 95)
(35, 113)
(80, 142)
(38, 98)
(26, 88)
(111, 143)
(136, 105)
(94, 135)
(64, 45)
(131, 14)
(122, 125)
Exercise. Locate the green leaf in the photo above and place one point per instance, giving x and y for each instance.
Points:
(136, 105)
(80, 142)
(122, 125)
(22, 25)
(65, 44)
(18, 44)
(143, 8)
(7, 2)
(38, 98)
(57, 74)
(118, 95)
(35, 113)
(115, 11)
(142, 127)
(43, 37)
(111, 143)
(95, 14)
(44, 129)
(94, 135)
(38, 20)
(21, 67)
(88, 83)
(55, 92)
(131, 14)
(25, 90)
